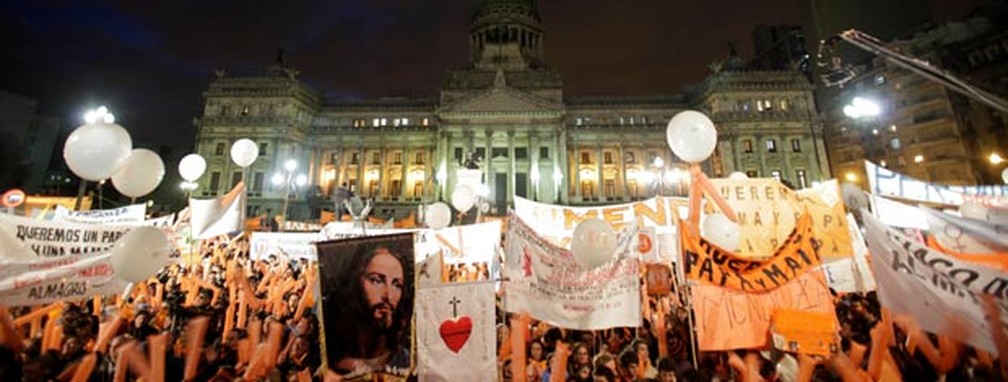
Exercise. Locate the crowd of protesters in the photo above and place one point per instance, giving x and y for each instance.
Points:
(233, 318)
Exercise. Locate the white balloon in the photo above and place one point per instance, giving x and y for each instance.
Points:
(463, 198)
(593, 243)
(738, 175)
(140, 175)
(191, 167)
(691, 135)
(437, 216)
(95, 151)
(720, 231)
(1004, 175)
(140, 254)
(244, 152)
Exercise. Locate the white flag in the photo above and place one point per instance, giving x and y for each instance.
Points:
(429, 271)
(456, 338)
(221, 215)
(938, 302)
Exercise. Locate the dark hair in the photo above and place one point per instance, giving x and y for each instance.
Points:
(345, 309)
(628, 358)
(604, 372)
(666, 364)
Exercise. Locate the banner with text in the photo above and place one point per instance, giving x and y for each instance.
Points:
(709, 264)
(26, 281)
(975, 277)
(940, 304)
(128, 214)
(289, 245)
(556, 223)
(546, 281)
(49, 239)
(767, 211)
(732, 319)
(884, 182)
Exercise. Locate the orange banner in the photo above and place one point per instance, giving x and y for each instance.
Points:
(805, 332)
(729, 319)
(710, 264)
(768, 211)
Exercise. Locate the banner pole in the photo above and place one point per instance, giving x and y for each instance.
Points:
(81, 189)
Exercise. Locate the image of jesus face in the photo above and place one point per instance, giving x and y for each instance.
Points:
(382, 282)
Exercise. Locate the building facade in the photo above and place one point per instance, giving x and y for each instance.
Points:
(507, 108)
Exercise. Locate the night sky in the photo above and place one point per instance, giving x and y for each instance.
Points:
(149, 63)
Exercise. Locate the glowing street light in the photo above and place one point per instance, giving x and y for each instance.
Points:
(996, 159)
(862, 108)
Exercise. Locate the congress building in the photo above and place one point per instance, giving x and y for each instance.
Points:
(507, 109)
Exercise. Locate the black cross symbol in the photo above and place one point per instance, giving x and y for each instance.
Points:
(454, 303)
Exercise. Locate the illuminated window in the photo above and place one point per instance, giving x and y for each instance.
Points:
(425, 122)
(376, 122)
(771, 145)
(802, 182)
(776, 174)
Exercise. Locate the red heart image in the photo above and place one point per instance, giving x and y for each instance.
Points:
(455, 333)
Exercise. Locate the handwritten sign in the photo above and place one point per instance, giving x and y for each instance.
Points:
(707, 263)
(731, 319)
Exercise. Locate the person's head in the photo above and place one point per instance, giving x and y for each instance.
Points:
(582, 355)
(640, 346)
(628, 362)
(666, 370)
(604, 374)
(382, 282)
(536, 351)
(606, 360)
(583, 373)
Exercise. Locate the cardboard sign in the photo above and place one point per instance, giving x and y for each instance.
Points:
(805, 332)
(658, 279)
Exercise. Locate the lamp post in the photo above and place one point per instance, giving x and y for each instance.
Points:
(291, 182)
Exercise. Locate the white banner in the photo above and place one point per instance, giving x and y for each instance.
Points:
(938, 302)
(546, 281)
(556, 223)
(897, 214)
(887, 183)
(128, 214)
(289, 245)
(456, 335)
(44, 281)
(474, 243)
(977, 278)
(50, 239)
(965, 235)
(863, 277)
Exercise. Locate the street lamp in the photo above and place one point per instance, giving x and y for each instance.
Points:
(996, 159)
(862, 108)
(292, 182)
